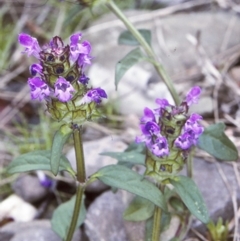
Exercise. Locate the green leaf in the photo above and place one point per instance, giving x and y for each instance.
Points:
(126, 37)
(37, 160)
(62, 217)
(149, 229)
(59, 140)
(133, 57)
(132, 157)
(137, 147)
(139, 209)
(215, 142)
(122, 177)
(165, 221)
(191, 197)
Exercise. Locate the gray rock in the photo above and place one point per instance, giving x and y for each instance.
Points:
(5, 236)
(104, 220)
(178, 56)
(136, 230)
(33, 231)
(113, 227)
(29, 188)
(214, 190)
(94, 161)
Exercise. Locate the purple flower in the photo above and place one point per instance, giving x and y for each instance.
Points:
(163, 103)
(74, 46)
(95, 95)
(160, 147)
(184, 141)
(44, 180)
(192, 126)
(150, 131)
(193, 95)
(150, 128)
(35, 69)
(79, 51)
(191, 132)
(63, 90)
(31, 44)
(83, 79)
(147, 115)
(39, 89)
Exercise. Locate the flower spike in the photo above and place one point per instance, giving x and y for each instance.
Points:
(59, 78)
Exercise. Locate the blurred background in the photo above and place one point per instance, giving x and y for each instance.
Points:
(197, 41)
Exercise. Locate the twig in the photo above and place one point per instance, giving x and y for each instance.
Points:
(198, 234)
(228, 33)
(209, 70)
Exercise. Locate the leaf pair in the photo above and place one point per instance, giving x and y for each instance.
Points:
(119, 176)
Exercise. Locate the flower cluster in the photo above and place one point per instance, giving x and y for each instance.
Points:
(169, 127)
(59, 76)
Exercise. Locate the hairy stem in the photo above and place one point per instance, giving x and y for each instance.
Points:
(156, 229)
(76, 211)
(159, 68)
(81, 179)
(156, 224)
(78, 145)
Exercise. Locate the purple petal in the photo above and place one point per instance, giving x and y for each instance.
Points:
(35, 69)
(184, 141)
(63, 90)
(150, 128)
(85, 47)
(31, 44)
(160, 147)
(162, 103)
(83, 79)
(94, 95)
(74, 39)
(39, 89)
(147, 115)
(193, 95)
(84, 59)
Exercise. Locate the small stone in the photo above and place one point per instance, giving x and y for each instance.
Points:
(94, 161)
(104, 220)
(29, 188)
(214, 191)
(38, 230)
(17, 209)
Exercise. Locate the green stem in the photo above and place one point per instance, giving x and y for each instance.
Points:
(81, 179)
(156, 229)
(156, 224)
(190, 165)
(159, 68)
(78, 145)
(77, 206)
